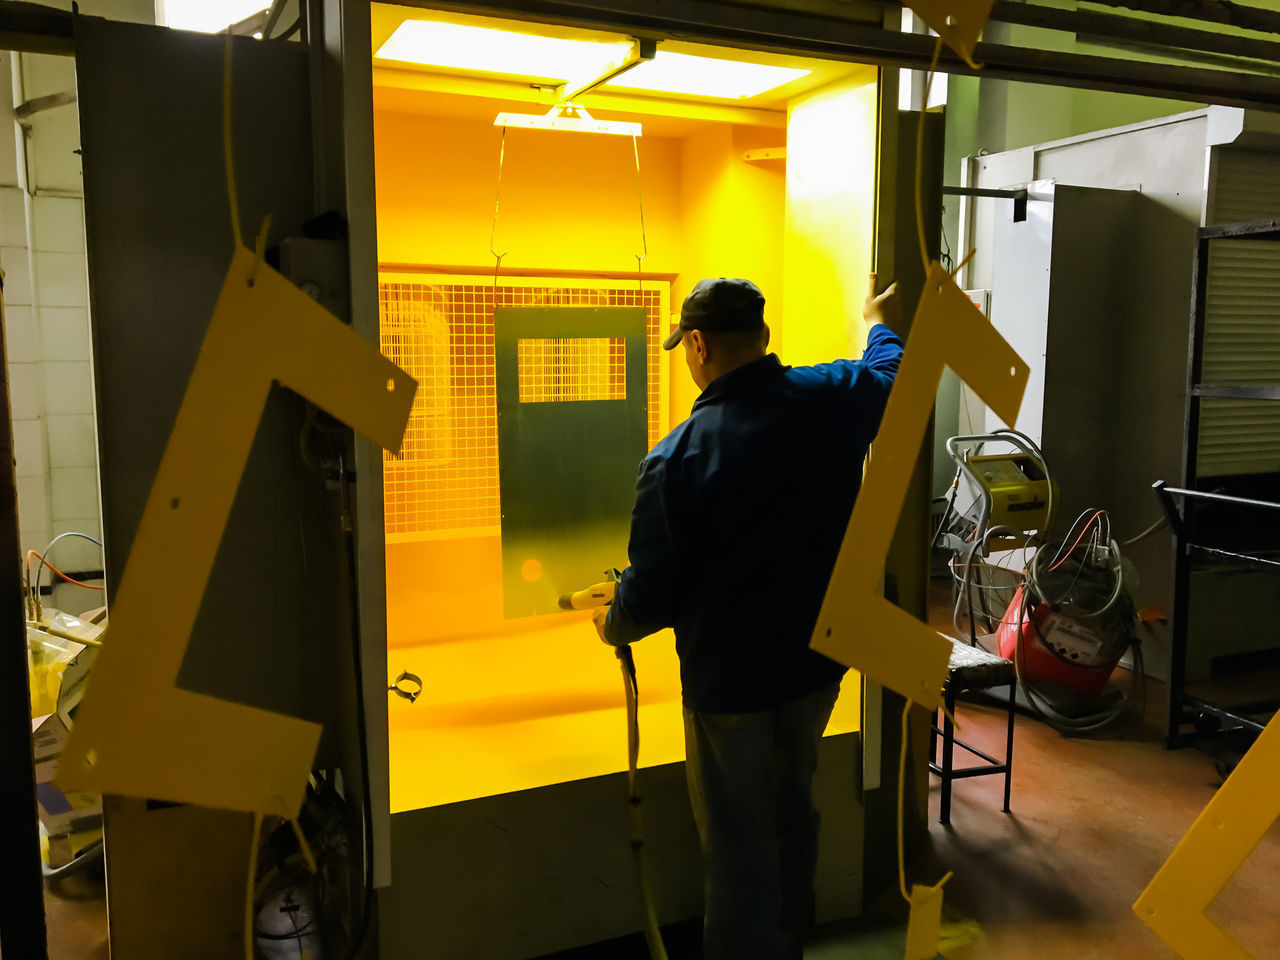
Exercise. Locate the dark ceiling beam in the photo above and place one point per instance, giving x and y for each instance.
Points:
(32, 28)
(1091, 23)
(833, 38)
(1210, 11)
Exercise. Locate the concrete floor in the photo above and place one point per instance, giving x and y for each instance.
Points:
(1092, 821)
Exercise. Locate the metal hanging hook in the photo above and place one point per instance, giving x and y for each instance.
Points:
(644, 240)
(493, 229)
(407, 694)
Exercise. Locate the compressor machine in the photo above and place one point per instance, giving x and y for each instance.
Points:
(1059, 608)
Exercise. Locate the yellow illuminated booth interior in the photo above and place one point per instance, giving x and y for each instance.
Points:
(775, 187)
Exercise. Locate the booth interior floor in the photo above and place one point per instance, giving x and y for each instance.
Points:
(506, 713)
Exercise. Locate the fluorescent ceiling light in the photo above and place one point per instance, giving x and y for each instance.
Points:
(705, 77)
(437, 44)
(567, 118)
(208, 16)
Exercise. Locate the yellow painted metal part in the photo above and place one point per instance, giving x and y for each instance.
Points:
(137, 733)
(857, 626)
(958, 22)
(924, 925)
(1218, 843)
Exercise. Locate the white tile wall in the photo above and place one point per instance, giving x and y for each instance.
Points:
(30, 535)
(22, 335)
(13, 218)
(28, 448)
(59, 225)
(71, 441)
(61, 279)
(74, 600)
(17, 278)
(26, 391)
(33, 506)
(73, 493)
(55, 138)
(67, 389)
(43, 74)
(64, 333)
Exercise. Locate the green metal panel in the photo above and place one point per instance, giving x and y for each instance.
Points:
(566, 469)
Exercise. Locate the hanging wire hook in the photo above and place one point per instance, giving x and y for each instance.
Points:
(260, 247)
(237, 238)
(924, 108)
(493, 230)
(644, 240)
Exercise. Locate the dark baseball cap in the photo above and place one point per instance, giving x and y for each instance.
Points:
(719, 305)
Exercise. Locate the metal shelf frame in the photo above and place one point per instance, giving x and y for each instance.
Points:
(1192, 539)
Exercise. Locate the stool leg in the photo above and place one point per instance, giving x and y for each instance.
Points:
(933, 736)
(948, 741)
(1008, 748)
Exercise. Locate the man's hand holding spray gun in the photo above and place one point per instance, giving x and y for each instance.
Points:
(596, 598)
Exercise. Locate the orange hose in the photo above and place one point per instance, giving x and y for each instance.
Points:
(78, 583)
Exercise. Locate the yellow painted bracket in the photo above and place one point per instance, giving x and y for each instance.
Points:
(857, 626)
(136, 732)
(1221, 839)
(924, 923)
(958, 22)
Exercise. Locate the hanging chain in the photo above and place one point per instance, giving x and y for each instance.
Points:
(644, 240)
(493, 230)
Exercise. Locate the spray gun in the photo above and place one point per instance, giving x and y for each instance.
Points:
(596, 595)
(601, 595)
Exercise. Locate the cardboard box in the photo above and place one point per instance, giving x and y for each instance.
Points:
(48, 737)
(59, 812)
(67, 812)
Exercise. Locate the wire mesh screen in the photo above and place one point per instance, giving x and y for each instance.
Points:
(563, 369)
(445, 477)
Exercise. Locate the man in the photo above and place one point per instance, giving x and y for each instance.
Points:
(739, 515)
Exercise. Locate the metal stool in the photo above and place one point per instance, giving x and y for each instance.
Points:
(971, 668)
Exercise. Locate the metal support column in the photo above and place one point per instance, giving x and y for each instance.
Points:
(22, 930)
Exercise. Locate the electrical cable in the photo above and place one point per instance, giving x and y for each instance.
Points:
(85, 858)
(1040, 704)
(60, 574)
(1158, 525)
(273, 16)
(54, 542)
(251, 886)
(652, 930)
(348, 528)
(290, 31)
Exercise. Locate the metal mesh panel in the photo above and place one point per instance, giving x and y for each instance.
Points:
(445, 477)
(564, 369)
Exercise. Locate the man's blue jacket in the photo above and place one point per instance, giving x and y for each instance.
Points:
(740, 512)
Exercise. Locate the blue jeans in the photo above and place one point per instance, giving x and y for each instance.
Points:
(751, 785)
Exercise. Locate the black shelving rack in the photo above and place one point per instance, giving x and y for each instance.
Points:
(1230, 524)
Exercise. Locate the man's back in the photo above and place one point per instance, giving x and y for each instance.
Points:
(739, 515)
